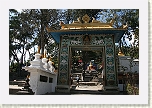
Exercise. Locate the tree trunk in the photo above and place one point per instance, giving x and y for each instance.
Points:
(42, 34)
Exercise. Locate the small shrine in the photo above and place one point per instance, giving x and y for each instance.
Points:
(87, 35)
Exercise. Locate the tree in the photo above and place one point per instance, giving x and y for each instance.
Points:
(19, 33)
(70, 15)
(40, 19)
(14, 25)
(122, 17)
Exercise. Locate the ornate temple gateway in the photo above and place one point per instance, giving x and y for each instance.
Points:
(87, 35)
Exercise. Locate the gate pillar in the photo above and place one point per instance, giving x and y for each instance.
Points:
(110, 78)
(63, 84)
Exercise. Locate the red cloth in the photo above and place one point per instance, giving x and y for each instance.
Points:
(80, 61)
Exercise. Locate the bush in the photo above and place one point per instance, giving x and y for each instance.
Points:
(131, 90)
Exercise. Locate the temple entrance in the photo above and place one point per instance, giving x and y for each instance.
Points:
(87, 63)
(87, 37)
(86, 43)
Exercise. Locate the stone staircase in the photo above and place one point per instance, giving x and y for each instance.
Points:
(89, 76)
(15, 86)
(19, 88)
(91, 88)
(86, 92)
(88, 83)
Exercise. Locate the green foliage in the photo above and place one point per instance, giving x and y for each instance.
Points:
(122, 17)
(40, 19)
(70, 15)
(131, 51)
(27, 29)
(132, 90)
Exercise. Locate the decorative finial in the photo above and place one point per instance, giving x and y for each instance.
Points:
(86, 18)
(125, 26)
(94, 20)
(79, 19)
(120, 53)
(45, 53)
(41, 54)
(38, 50)
(61, 23)
(113, 20)
(50, 59)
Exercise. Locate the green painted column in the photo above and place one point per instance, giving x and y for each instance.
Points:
(110, 76)
(63, 62)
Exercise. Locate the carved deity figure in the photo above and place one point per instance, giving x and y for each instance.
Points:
(86, 40)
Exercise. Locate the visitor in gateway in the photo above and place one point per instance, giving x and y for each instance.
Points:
(77, 78)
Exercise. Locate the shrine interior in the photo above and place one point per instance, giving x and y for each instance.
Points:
(87, 62)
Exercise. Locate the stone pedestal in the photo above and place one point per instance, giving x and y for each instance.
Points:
(42, 81)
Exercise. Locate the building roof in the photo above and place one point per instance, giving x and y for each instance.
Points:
(94, 28)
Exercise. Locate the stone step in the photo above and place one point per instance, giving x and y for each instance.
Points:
(13, 91)
(19, 88)
(87, 79)
(89, 83)
(21, 84)
(16, 82)
(92, 92)
(23, 92)
(86, 76)
(14, 88)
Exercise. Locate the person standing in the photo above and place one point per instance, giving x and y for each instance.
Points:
(71, 79)
(77, 78)
(83, 75)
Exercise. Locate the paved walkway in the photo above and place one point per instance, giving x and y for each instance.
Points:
(86, 87)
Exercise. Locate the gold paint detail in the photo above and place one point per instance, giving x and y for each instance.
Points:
(78, 20)
(86, 39)
(120, 53)
(86, 18)
(50, 59)
(45, 53)
(94, 24)
(38, 50)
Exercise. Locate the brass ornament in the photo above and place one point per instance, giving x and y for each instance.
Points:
(38, 50)
(86, 18)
